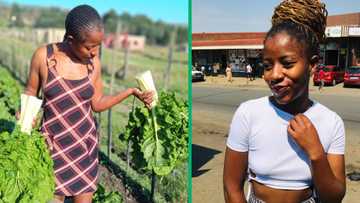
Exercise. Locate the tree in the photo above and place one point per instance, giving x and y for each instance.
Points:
(156, 32)
(52, 17)
(15, 16)
(110, 20)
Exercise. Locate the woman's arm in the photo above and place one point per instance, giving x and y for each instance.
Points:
(329, 177)
(34, 79)
(101, 102)
(328, 171)
(235, 166)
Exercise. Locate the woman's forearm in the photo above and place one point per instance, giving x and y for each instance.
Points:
(329, 188)
(107, 101)
(31, 92)
(235, 195)
(234, 175)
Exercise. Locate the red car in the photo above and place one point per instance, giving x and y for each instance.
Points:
(332, 76)
(352, 76)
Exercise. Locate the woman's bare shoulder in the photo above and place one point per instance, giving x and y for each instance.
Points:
(39, 61)
(39, 55)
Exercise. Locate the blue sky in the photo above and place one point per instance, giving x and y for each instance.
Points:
(165, 10)
(248, 15)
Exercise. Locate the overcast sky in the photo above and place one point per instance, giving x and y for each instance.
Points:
(249, 15)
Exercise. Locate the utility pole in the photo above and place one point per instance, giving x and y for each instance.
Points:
(170, 58)
(113, 70)
(126, 47)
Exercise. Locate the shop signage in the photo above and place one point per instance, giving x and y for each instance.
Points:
(253, 53)
(334, 31)
(354, 31)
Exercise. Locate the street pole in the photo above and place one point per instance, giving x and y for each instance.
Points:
(170, 58)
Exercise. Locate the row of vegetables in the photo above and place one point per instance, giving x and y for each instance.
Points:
(24, 159)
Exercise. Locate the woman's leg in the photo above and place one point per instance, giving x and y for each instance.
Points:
(57, 199)
(83, 198)
(322, 84)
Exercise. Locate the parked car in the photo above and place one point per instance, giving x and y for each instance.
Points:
(352, 76)
(333, 75)
(197, 75)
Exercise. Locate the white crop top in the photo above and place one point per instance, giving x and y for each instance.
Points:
(260, 128)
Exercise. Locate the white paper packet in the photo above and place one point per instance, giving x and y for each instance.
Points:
(30, 107)
(146, 82)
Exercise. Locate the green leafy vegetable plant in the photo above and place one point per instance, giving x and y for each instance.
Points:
(26, 168)
(9, 91)
(159, 137)
(101, 196)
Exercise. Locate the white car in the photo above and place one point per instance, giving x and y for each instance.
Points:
(197, 75)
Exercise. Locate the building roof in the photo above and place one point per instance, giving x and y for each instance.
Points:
(344, 19)
(245, 40)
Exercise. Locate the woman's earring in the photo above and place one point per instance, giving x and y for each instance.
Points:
(68, 40)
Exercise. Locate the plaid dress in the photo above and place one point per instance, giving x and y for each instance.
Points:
(70, 132)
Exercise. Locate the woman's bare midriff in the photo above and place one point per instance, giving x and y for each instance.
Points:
(272, 195)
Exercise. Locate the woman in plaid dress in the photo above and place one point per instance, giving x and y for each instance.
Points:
(69, 75)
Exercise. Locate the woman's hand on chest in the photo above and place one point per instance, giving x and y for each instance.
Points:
(302, 130)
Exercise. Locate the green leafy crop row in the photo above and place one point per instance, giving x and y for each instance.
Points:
(9, 91)
(26, 168)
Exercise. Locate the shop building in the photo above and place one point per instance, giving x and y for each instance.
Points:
(215, 50)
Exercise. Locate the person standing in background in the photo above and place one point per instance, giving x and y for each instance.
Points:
(354, 59)
(228, 73)
(321, 78)
(249, 72)
(253, 71)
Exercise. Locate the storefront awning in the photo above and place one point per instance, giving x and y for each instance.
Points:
(228, 47)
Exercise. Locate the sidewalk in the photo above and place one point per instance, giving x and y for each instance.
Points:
(259, 83)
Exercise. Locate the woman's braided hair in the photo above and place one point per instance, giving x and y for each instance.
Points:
(81, 19)
(303, 19)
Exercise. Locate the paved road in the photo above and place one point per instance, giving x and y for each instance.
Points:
(226, 100)
(213, 108)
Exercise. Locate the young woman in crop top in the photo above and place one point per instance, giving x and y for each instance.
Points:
(287, 145)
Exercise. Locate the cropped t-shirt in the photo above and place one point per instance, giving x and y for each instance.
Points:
(260, 128)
